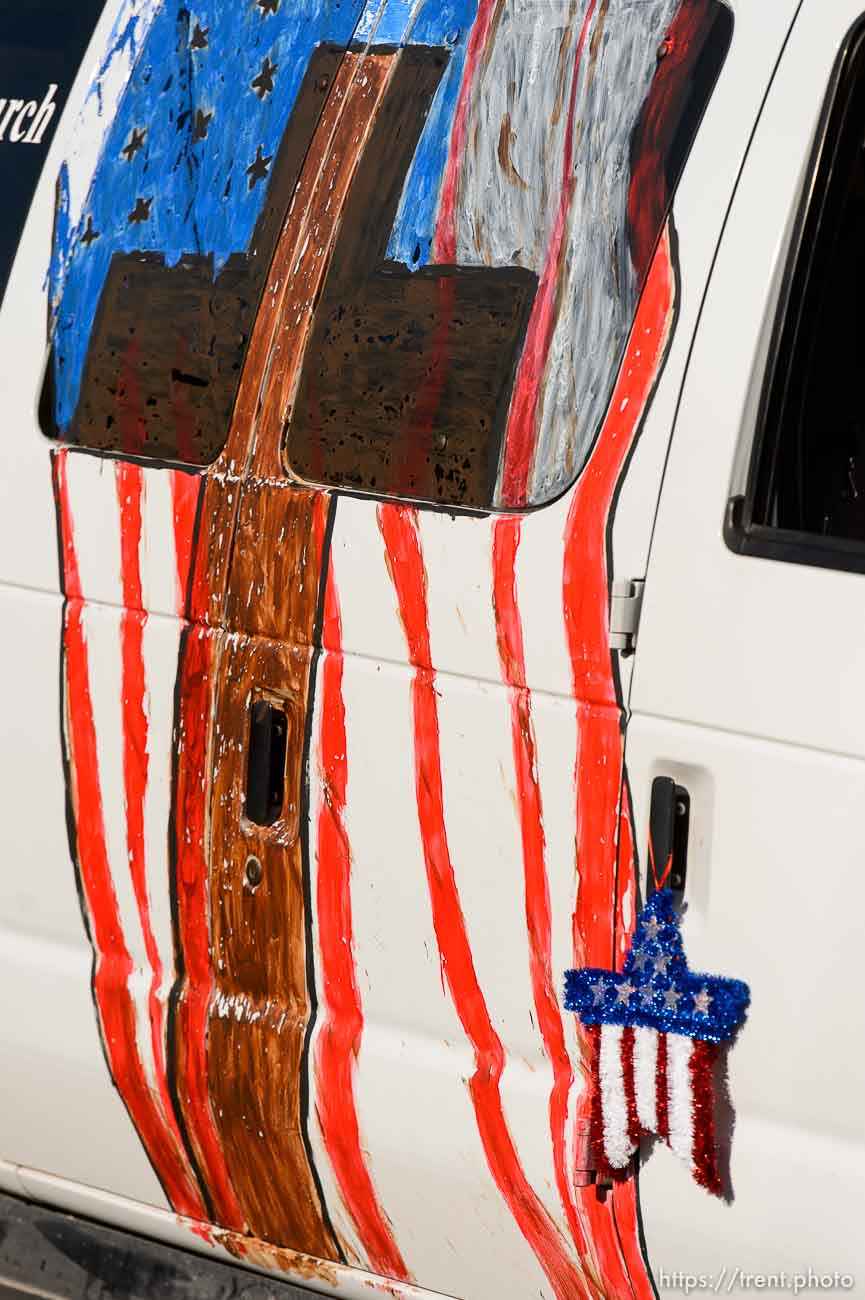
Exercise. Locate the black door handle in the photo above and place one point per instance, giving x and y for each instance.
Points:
(265, 775)
(669, 819)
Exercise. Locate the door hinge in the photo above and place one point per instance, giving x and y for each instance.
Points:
(626, 597)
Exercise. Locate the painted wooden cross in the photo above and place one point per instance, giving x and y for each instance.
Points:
(406, 380)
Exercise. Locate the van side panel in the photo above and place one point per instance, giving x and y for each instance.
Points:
(339, 1032)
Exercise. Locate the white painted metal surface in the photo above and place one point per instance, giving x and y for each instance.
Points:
(737, 692)
(747, 690)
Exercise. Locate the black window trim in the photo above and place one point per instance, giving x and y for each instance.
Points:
(742, 534)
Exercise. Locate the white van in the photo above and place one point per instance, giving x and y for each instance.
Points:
(433, 455)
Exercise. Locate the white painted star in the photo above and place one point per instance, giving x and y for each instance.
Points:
(653, 926)
(661, 962)
(647, 996)
(671, 999)
(624, 991)
(599, 990)
(641, 959)
(702, 1001)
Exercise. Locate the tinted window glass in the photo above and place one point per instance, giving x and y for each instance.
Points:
(807, 489)
(42, 43)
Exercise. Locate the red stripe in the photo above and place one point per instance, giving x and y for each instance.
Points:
(585, 586)
(339, 1040)
(629, 1233)
(654, 134)
(626, 1048)
(599, 761)
(445, 239)
(701, 1067)
(193, 909)
(130, 416)
(399, 528)
(661, 1094)
(113, 964)
(428, 399)
(183, 416)
(509, 632)
(522, 418)
(185, 490)
(71, 575)
(445, 252)
(130, 484)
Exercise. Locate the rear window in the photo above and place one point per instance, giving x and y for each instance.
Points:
(482, 263)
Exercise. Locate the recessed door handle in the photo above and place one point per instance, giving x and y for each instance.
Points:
(265, 774)
(669, 820)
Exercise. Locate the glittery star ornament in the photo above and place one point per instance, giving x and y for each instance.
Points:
(655, 1029)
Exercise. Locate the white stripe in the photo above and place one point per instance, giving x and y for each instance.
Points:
(158, 561)
(159, 649)
(645, 1077)
(680, 1111)
(614, 1110)
(92, 489)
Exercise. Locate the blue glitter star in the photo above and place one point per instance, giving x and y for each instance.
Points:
(671, 997)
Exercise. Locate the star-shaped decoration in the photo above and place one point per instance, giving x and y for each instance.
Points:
(259, 167)
(653, 927)
(200, 125)
(198, 39)
(89, 234)
(701, 1011)
(655, 988)
(624, 991)
(135, 142)
(263, 83)
(703, 1001)
(267, 6)
(141, 211)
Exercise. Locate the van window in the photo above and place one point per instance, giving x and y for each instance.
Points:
(473, 277)
(806, 495)
(42, 44)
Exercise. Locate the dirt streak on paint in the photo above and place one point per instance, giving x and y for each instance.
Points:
(519, 442)
(195, 991)
(509, 634)
(113, 966)
(399, 529)
(599, 761)
(339, 1039)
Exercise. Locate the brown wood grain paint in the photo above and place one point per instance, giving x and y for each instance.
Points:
(257, 584)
